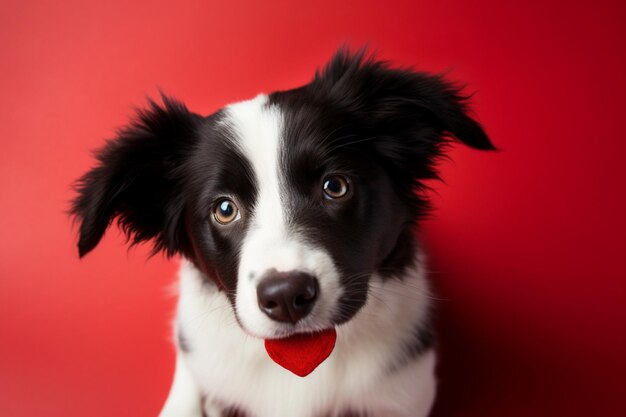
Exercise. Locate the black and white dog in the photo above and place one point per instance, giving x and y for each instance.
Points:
(294, 212)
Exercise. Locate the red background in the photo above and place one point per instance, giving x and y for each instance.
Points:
(527, 245)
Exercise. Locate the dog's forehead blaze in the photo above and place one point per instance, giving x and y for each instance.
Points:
(257, 130)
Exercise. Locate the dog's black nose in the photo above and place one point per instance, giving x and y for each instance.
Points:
(287, 296)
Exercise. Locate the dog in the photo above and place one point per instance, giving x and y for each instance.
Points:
(294, 213)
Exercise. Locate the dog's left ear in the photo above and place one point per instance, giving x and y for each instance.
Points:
(411, 115)
(138, 180)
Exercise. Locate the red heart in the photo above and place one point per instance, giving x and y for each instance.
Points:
(302, 353)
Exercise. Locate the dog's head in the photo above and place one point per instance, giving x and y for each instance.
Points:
(289, 202)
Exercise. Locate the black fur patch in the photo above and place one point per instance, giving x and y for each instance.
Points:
(351, 413)
(182, 341)
(384, 129)
(216, 169)
(424, 338)
(233, 412)
(422, 341)
(138, 181)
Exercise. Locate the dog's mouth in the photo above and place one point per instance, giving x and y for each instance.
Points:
(301, 353)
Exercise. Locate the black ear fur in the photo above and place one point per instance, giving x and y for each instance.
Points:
(137, 179)
(413, 114)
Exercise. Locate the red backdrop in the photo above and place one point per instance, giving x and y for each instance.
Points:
(527, 246)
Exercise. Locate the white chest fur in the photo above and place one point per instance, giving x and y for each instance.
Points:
(231, 368)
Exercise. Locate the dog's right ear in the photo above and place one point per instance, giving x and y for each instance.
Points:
(138, 180)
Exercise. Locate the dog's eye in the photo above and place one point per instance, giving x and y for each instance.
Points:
(336, 186)
(226, 211)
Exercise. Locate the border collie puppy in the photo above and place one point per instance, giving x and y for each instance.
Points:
(295, 214)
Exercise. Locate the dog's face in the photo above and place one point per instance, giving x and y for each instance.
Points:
(291, 202)
(294, 214)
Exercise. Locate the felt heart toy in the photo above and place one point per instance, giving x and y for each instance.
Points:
(302, 353)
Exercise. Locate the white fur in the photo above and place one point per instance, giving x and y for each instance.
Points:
(269, 243)
(232, 368)
(184, 396)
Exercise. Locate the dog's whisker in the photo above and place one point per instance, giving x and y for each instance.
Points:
(330, 145)
(343, 145)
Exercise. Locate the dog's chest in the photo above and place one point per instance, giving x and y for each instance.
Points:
(233, 370)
